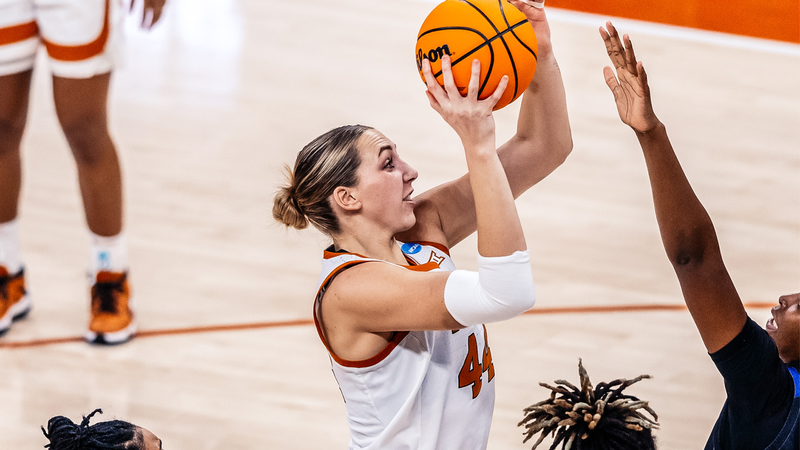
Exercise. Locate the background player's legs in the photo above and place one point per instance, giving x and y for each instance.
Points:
(14, 94)
(82, 113)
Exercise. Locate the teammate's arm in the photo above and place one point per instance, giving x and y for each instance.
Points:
(686, 228)
(446, 214)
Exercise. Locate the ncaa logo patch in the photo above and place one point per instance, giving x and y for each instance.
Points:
(411, 249)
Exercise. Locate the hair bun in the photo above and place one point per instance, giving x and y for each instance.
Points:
(287, 211)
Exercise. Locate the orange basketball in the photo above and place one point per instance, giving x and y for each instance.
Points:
(493, 31)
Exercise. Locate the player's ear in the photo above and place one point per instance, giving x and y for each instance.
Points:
(343, 197)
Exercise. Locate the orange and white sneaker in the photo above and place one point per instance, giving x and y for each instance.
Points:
(14, 301)
(112, 317)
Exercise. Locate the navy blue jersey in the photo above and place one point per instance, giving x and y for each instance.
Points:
(763, 404)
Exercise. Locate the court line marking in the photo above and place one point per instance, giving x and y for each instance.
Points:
(305, 322)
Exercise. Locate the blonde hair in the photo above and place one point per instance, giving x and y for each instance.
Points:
(329, 161)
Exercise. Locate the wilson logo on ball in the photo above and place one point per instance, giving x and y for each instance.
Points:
(432, 55)
(491, 31)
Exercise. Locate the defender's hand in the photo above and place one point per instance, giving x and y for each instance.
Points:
(629, 86)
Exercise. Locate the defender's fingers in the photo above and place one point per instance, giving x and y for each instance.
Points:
(630, 57)
(614, 47)
(604, 34)
(474, 80)
(501, 88)
(447, 76)
(643, 77)
(611, 79)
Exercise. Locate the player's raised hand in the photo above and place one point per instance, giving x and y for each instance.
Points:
(151, 12)
(534, 11)
(629, 86)
(471, 118)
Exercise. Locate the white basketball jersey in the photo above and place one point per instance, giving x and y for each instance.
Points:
(426, 389)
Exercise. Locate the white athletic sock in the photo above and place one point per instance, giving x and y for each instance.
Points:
(108, 254)
(9, 247)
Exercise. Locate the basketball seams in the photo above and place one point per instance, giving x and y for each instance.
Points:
(500, 35)
(513, 33)
(497, 34)
(476, 43)
(486, 42)
(466, 55)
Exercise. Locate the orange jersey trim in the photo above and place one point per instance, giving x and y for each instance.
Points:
(18, 33)
(399, 336)
(434, 245)
(427, 267)
(380, 356)
(80, 52)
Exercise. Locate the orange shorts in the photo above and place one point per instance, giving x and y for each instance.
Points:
(82, 37)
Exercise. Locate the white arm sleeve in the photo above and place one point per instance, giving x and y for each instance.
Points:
(501, 289)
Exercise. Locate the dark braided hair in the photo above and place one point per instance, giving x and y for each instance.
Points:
(112, 435)
(591, 419)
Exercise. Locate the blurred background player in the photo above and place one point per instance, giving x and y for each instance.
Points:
(82, 38)
(64, 434)
(760, 367)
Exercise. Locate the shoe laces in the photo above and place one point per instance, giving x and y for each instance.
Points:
(104, 293)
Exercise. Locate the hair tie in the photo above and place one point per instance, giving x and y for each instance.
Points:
(295, 202)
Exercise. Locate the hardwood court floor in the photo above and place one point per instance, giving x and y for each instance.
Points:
(212, 103)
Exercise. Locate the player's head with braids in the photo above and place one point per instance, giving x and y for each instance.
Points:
(329, 161)
(589, 418)
(64, 434)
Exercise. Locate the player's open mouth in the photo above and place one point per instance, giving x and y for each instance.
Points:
(771, 325)
(407, 198)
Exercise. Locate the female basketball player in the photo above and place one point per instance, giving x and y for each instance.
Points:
(404, 329)
(64, 434)
(81, 38)
(760, 367)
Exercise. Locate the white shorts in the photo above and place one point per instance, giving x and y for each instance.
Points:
(82, 37)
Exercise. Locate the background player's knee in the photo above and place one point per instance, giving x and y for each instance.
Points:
(14, 94)
(11, 130)
(89, 140)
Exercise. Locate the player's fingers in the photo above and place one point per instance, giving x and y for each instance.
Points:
(630, 57)
(430, 81)
(474, 80)
(643, 78)
(434, 103)
(611, 49)
(604, 34)
(447, 76)
(614, 47)
(611, 79)
(498, 92)
(158, 9)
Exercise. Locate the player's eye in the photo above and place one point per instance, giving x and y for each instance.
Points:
(389, 164)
